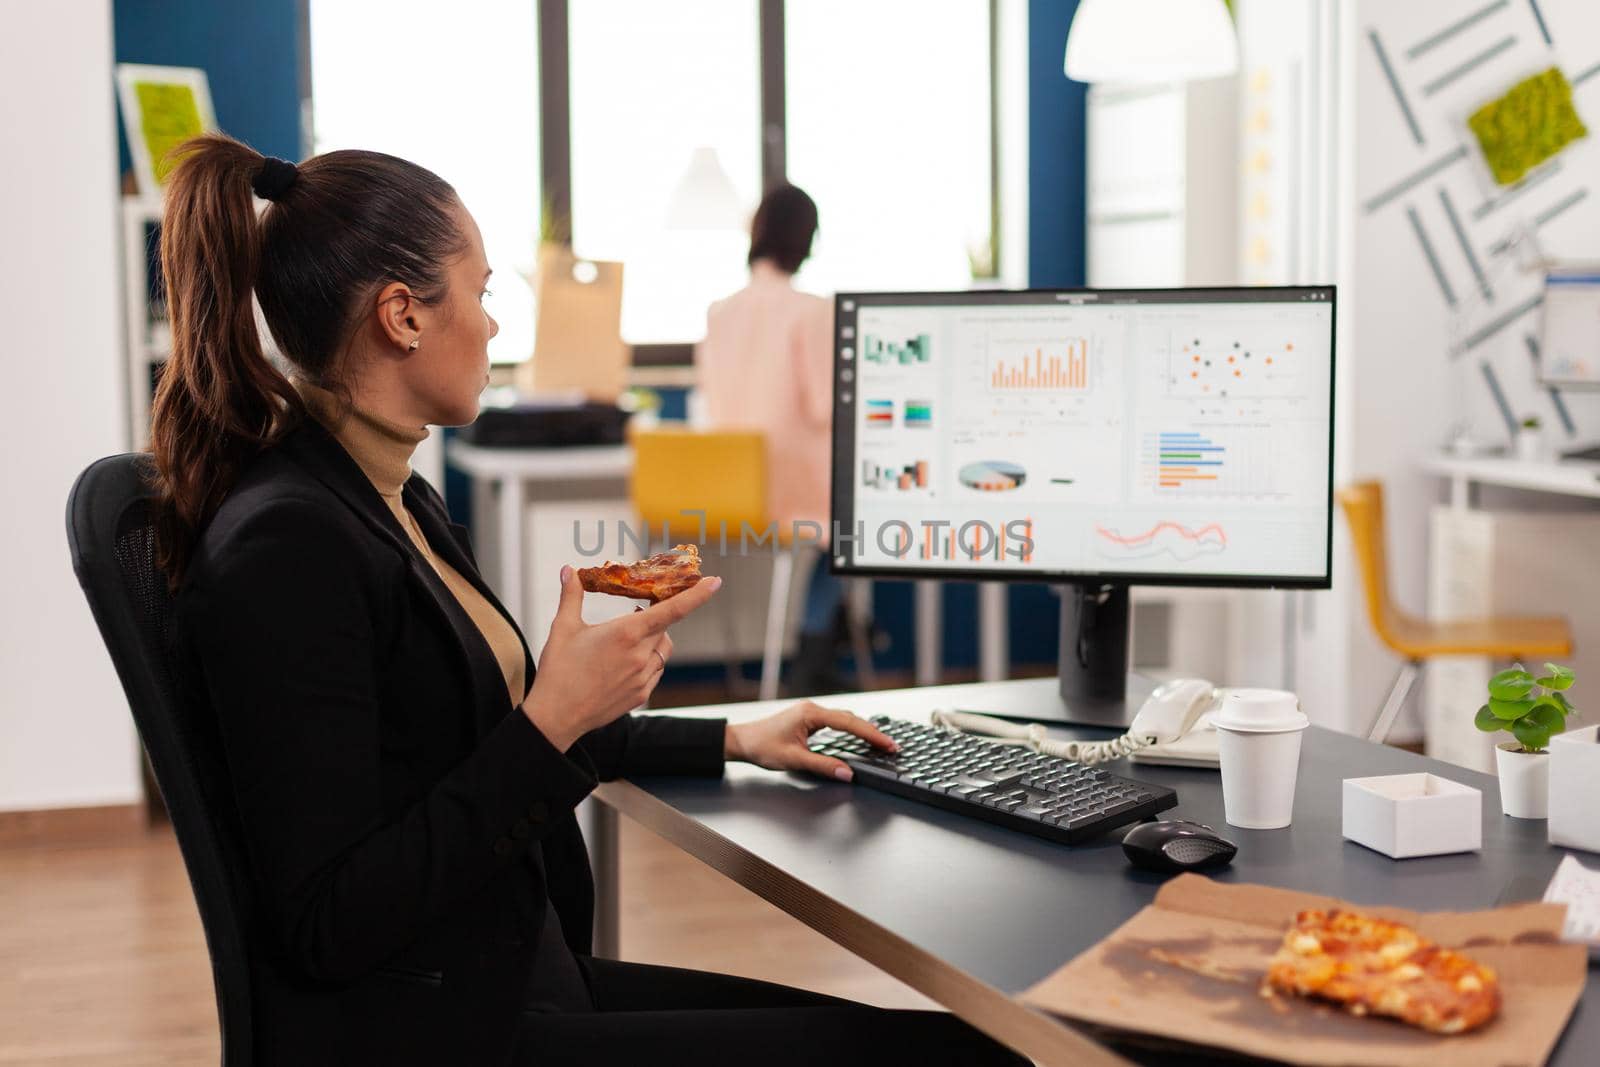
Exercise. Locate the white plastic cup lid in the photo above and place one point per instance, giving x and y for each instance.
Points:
(1260, 711)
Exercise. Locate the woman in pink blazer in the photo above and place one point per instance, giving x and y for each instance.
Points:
(766, 364)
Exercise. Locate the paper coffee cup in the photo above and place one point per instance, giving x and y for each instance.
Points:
(1258, 744)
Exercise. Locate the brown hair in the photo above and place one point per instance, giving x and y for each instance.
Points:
(783, 227)
(338, 228)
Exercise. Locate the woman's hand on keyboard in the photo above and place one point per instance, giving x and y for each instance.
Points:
(778, 742)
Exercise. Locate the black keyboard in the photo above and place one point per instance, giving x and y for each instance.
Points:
(1004, 784)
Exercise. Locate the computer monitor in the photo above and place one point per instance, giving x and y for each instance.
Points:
(1097, 438)
(1569, 344)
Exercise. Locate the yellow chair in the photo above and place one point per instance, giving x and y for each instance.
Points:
(1420, 639)
(724, 474)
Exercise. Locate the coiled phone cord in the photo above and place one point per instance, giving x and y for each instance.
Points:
(1032, 736)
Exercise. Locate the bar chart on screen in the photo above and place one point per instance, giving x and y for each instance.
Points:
(1059, 367)
(882, 413)
(1221, 461)
(894, 476)
(897, 351)
(1186, 458)
(879, 413)
(978, 542)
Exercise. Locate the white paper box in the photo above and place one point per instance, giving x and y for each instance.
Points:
(1404, 815)
(1575, 789)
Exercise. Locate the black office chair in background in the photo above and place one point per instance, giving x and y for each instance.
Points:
(113, 553)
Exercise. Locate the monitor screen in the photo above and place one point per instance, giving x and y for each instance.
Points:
(1141, 436)
(1570, 330)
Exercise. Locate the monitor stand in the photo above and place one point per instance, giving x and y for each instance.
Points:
(1096, 687)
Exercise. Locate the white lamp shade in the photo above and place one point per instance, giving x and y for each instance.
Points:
(1134, 41)
(705, 198)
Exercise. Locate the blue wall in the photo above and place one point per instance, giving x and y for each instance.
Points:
(1056, 109)
(249, 50)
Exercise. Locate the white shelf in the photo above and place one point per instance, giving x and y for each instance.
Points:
(1567, 477)
(137, 214)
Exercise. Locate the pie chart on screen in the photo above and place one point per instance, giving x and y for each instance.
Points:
(992, 475)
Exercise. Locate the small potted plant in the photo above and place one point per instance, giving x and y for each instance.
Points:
(1531, 710)
(1530, 440)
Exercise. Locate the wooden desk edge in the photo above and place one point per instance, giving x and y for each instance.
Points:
(1024, 1029)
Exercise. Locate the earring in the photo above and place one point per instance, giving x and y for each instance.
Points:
(414, 345)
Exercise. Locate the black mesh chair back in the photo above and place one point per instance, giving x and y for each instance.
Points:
(113, 553)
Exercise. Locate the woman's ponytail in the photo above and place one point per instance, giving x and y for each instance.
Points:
(219, 401)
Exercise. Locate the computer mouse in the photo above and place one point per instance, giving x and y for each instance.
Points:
(1177, 845)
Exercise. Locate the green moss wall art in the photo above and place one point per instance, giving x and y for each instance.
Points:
(1532, 122)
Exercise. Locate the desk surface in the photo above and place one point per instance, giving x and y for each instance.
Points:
(1006, 908)
(1568, 477)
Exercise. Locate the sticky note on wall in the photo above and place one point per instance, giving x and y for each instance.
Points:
(1531, 123)
(168, 116)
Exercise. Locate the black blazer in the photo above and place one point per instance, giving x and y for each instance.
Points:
(408, 831)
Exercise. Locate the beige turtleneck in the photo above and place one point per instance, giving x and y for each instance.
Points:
(383, 448)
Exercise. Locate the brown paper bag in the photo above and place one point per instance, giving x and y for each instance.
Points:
(577, 345)
(1188, 968)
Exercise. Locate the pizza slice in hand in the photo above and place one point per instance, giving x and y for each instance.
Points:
(663, 575)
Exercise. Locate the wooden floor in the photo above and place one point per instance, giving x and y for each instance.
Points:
(102, 961)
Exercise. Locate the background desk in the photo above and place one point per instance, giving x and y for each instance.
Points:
(1534, 557)
(1549, 476)
(971, 914)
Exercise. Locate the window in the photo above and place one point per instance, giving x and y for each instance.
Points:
(888, 130)
(454, 88)
(651, 83)
(887, 115)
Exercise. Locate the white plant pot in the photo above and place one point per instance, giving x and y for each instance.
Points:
(1524, 781)
(1575, 789)
(1530, 445)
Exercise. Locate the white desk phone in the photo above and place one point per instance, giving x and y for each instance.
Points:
(1172, 728)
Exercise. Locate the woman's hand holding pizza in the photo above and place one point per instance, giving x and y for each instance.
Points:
(589, 674)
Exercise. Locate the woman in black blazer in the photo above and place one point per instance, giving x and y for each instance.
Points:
(404, 780)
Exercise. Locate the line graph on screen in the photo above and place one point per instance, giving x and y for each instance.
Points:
(1166, 537)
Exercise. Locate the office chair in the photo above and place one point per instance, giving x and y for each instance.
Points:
(724, 473)
(112, 543)
(1420, 639)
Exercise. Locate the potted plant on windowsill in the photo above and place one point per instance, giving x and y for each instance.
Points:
(1532, 710)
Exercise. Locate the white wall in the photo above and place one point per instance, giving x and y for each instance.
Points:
(1011, 87)
(1411, 389)
(1295, 99)
(65, 735)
